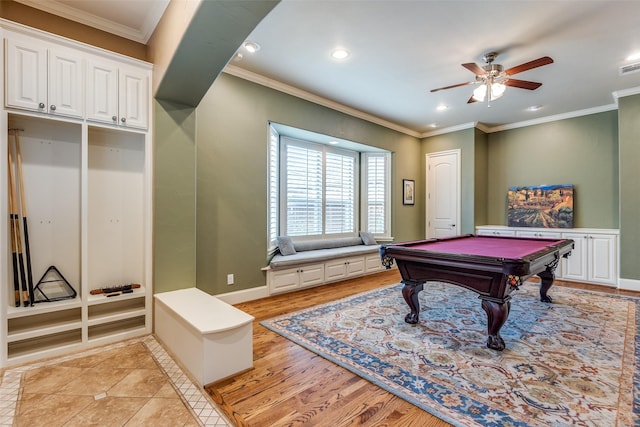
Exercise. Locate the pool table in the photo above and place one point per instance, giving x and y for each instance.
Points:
(491, 266)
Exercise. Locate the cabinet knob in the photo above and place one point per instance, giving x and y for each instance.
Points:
(52, 108)
(123, 120)
(41, 105)
(114, 118)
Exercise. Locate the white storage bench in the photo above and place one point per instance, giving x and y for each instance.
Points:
(311, 263)
(211, 339)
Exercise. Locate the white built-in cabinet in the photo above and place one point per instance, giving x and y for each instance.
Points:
(344, 268)
(43, 77)
(315, 274)
(290, 279)
(116, 93)
(87, 184)
(594, 258)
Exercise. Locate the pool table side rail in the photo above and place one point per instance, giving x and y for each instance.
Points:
(526, 266)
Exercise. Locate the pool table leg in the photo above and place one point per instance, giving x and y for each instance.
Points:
(546, 280)
(410, 292)
(497, 314)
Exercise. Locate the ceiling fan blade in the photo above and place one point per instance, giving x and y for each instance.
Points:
(475, 68)
(471, 100)
(522, 84)
(452, 86)
(545, 60)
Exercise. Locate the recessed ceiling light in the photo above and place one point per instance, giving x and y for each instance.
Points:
(534, 108)
(251, 47)
(334, 142)
(340, 53)
(433, 125)
(633, 56)
(442, 107)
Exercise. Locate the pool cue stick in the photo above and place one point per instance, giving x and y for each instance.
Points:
(18, 240)
(23, 205)
(14, 233)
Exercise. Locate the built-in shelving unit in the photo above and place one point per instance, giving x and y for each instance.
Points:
(83, 118)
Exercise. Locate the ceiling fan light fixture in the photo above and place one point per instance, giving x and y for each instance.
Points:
(497, 90)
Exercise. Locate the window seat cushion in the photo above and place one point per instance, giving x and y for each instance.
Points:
(325, 250)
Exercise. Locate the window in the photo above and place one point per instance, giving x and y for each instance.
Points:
(376, 195)
(319, 183)
(317, 190)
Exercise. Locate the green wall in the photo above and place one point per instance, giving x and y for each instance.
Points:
(232, 135)
(629, 129)
(481, 177)
(582, 151)
(174, 197)
(464, 140)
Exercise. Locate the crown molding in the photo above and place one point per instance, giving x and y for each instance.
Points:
(291, 90)
(452, 129)
(316, 99)
(626, 92)
(140, 34)
(557, 117)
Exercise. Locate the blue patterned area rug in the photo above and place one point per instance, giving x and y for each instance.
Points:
(572, 362)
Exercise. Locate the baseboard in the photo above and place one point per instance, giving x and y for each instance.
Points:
(244, 295)
(629, 284)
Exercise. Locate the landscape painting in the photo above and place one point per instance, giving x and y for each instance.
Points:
(545, 206)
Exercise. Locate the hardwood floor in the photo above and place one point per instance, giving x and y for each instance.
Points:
(291, 386)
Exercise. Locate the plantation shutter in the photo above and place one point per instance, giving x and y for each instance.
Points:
(377, 193)
(304, 190)
(340, 193)
(274, 143)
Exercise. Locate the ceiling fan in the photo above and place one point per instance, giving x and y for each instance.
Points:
(493, 79)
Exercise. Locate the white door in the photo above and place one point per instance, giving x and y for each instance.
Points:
(443, 194)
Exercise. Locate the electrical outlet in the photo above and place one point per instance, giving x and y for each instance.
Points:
(229, 279)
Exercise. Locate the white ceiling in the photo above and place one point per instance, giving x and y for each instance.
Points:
(131, 19)
(402, 49)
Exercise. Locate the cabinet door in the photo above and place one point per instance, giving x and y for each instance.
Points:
(602, 258)
(102, 91)
(335, 270)
(355, 266)
(26, 74)
(133, 97)
(66, 84)
(575, 267)
(373, 263)
(311, 275)
(283, 280)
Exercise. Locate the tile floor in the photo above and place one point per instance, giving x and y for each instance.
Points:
(134, 382)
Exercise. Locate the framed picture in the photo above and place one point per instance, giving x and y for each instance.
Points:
(546, 206)
(408, 192)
